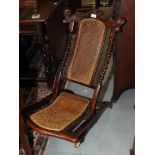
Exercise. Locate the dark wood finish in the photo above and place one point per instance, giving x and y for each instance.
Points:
(64, 59)
(95, 95)
(94, 3)
(132, 151)
(40, 28)
(104, 3)
(73, 4)
(23, 137)
(57, 32)
(76, 135)
(124, 57)
(119, 22)
(27, 3)
(30, 78)
(45, 9)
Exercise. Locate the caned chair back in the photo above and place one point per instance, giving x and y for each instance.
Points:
(87, 51)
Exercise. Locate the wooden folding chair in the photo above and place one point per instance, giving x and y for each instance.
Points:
(64, 114)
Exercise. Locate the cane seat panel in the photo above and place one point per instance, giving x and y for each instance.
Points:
(87, 51)
(62, 112)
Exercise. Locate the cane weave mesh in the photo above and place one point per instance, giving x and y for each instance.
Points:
(87, 50)
(63, 111)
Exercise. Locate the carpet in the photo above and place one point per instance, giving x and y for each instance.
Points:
(32, 95)
(113, 134)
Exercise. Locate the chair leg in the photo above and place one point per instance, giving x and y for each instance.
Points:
(77, 144)
(99, 107)
(110, 105)
(100, 104)
(81, 139)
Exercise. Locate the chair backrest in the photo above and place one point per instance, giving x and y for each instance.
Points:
(91, 52)
(87, 51)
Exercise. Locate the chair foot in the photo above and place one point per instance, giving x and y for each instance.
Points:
(77, 144)
(81, 139)
(103, 105)
(111, 105)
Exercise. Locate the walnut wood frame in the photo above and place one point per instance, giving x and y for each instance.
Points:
(28, 3)
(71, 133)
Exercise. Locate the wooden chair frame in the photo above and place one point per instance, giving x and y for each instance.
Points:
(76, 131)
(28, 3)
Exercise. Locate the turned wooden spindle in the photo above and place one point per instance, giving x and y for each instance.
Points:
(117, 27)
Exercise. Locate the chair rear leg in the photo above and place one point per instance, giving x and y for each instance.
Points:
(81, 139)
(95, 119)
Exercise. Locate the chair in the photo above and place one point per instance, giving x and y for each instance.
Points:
(64, 114)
